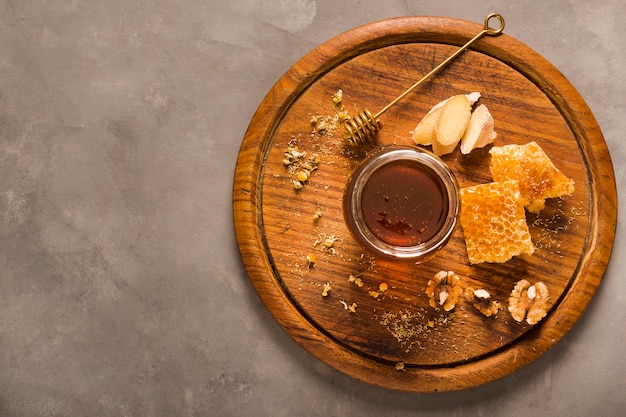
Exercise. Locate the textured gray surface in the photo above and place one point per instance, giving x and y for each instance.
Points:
(122, 292)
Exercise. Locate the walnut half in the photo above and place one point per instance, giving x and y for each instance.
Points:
(481, 299)
(443, 290)
(529, 301)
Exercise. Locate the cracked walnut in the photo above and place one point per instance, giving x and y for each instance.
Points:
(443, 290)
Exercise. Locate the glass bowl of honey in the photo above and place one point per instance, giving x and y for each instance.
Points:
(402, 202)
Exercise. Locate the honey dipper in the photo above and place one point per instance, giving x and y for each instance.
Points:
(359, 128)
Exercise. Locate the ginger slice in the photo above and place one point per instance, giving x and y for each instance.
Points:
(440, 150)
(480, 130)
(453, 120)
(538, 178)
(424, 133)
(494, 222)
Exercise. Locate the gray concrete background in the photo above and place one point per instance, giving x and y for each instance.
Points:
(122, 292)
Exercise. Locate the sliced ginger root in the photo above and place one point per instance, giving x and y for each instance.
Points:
(424, 133)
(449, 121)
(440, 149)
(453, 120)
(480, 130)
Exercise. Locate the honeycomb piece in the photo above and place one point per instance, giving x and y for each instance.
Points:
(494, 222)
(538, 177)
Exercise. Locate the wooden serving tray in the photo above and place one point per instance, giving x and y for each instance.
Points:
(436, 350)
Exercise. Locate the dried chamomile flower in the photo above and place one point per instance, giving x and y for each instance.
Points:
(307, 168)
(329, 242)
(318, 214)
(292, 156)
(326, 289)
(338, 98)
(351, 308)
(310, 258)
(382, 289)
(481, 299)
(342, 115)
(529, 301)
(320, 124)
(311, 163)
(356, 279)
(303, 176)
(443, 290)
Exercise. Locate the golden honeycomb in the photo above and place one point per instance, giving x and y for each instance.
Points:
(538, 177)
(494, 222)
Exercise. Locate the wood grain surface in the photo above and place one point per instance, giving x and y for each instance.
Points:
(441, 351)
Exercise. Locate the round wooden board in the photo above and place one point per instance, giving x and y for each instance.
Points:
(529, 100)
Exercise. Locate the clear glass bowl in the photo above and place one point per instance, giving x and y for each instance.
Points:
(402, 202)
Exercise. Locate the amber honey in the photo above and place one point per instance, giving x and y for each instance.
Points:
(402, 202)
